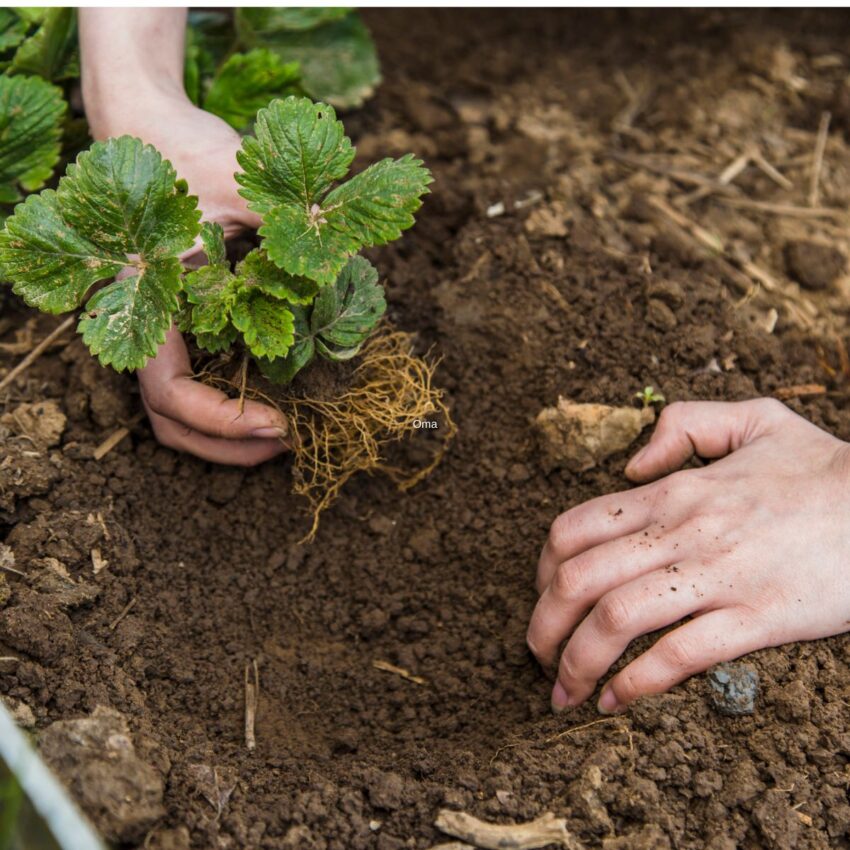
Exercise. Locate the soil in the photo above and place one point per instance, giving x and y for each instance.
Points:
(570, 121)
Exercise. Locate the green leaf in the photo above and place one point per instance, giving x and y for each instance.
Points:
(212, 237)
(119, 205)
(372, 208)
(262, 22)
(217, 342)
(345, 314)
(31, 113)
(310, 230)
(211, 290)
(51, 52)
(300, 149)
(258, 270)
(13, 29)
(266, 323)
(50, 264)
(124, 197)
(126, 321)
(281, 370)
(31, 15)
(246, 82)
(339, 63)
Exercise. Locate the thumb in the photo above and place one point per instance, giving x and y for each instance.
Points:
(709, 429)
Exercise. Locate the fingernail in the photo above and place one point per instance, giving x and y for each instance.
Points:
(560, 698)
(273, 433)
(608, 702)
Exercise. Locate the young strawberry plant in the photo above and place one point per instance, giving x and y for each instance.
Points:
(121, 209)
(120, 213)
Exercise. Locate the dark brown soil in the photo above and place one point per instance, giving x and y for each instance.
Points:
(579, 292)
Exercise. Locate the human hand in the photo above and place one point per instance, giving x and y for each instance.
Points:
(755, 548)
(128, 90)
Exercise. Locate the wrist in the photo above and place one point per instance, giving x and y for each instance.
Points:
(126, 103)
(124, 81)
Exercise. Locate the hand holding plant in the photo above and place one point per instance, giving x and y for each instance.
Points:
(129, 90)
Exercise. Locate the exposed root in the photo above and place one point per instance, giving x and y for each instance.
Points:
(333, 439)
(391, 390)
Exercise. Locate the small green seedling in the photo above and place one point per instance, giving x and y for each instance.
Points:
(648, 396)
(121, 211)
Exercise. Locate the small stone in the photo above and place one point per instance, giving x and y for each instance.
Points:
(734, 687)
(660, 316)
(43, 422)
(668, 291)
(812, 264)
(386, 790)
(580, 436)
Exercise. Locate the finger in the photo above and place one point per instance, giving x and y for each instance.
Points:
(591, 524)
(580, 582)
(709, 639)
(250, 452)
(170, 391)
(643, 605)
(707, 428)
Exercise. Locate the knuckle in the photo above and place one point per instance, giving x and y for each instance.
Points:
(678, 653)
(613, 614)
(626, 687)
(567, 670)
(568, 581)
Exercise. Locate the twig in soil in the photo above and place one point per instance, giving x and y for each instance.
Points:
(773, 173)
(124, 612)
(398, 671)
(788, 210)
(799, 391)
(115, 438)
(37, 351)
(453, 845)
(817, 158)
(252, 698)
(545, 830)
(843, 357)
(636, 103)
(98, 562)
(12, 570)
(723, 184)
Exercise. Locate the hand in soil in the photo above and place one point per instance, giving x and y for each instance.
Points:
(130, 90)
(753, 548)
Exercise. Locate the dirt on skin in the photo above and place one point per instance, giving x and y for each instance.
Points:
(153, 579)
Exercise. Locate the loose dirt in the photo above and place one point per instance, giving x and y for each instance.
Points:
(541, 267)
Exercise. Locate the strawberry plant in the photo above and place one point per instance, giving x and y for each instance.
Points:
(120, 212)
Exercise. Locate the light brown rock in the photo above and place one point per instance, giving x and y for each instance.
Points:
(577, 437)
